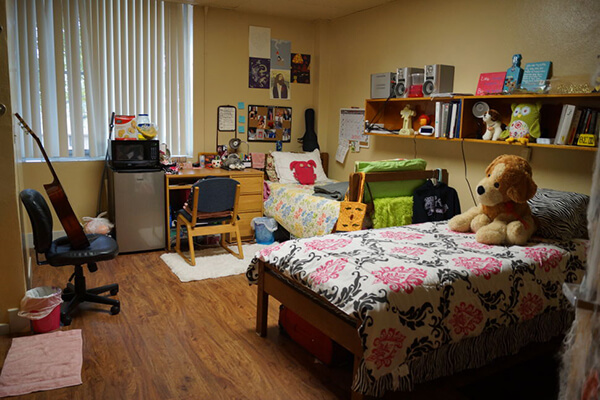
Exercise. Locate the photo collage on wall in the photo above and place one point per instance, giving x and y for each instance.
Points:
(269, 123)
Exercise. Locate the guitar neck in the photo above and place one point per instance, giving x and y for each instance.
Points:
(59, 200)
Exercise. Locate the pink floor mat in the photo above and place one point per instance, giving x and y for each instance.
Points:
(42, 362)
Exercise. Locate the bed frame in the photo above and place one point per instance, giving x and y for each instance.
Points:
(355, 178)
(312, 307)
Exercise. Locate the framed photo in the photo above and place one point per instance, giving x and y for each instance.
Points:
(269, 123)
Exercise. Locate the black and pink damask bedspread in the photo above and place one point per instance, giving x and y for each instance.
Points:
(420, 287)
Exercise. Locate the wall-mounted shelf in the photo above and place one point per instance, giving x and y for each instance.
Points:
(387, 112)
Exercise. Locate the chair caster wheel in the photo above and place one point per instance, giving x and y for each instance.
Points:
(113, 292)
(114, 310)
(66, 319)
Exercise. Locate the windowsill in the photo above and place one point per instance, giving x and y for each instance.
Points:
(63, 159)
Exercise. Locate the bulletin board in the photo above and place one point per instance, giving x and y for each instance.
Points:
(269, 123)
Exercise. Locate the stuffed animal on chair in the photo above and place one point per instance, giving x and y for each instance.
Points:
(503, 216)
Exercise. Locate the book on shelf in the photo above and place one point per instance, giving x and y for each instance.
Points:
(581, 126)
(458, 119)
(574, 126)
(564, 124)
(438, 118)
(588, 137)
(445, 119)
(452, 125)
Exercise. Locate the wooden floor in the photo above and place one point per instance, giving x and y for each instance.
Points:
(196, 340)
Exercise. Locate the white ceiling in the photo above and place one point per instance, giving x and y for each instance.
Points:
(300, 9)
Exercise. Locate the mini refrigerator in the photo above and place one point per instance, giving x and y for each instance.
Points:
(137, 208)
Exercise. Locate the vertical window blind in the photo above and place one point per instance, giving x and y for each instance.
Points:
(74, 62)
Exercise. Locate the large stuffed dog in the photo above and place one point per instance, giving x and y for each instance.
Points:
(503, 216)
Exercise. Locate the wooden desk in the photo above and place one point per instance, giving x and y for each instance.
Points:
(251, 192)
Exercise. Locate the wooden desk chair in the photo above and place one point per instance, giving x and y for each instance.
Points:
(213, 210)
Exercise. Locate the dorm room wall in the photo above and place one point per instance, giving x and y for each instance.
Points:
(221, 72)
(476, 37)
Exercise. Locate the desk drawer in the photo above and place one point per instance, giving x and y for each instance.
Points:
(250, 202)
(250, 184)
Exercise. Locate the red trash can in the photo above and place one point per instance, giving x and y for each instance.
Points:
(42, 306)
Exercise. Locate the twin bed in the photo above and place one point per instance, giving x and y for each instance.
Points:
(419, 302)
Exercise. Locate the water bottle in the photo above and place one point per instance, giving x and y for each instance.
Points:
(202, 161)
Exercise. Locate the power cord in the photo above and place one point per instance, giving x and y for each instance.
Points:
(415, 146)
(111, 125)
(462, 148)
(371, 124)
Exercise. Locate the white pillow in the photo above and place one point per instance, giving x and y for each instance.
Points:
(283, 159)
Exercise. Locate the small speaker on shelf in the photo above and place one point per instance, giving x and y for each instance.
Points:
(439, 78)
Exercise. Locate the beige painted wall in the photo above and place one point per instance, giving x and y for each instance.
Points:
(12, 284)
(476, 37)
(221, 57)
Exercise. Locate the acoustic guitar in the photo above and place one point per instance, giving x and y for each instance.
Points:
(59, 200)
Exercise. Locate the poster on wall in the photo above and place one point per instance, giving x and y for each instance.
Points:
(300, 68)
(259, 43)
(280, 84)
(281, 53)
(269, 123)
(259, 73)
(259, 63)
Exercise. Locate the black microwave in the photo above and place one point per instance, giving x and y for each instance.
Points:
(134, 154)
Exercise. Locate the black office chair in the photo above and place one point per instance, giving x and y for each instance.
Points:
(59, 253)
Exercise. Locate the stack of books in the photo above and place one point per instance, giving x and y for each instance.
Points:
(447, 119)
(578, 126)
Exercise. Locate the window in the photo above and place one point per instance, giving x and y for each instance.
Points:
(74, 62)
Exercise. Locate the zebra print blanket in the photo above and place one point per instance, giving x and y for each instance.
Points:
(421, 288)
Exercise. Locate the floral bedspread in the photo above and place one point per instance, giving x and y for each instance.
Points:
(298, 211)
(419, 287)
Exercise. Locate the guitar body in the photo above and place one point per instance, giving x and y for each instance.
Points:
(309, 140)
(66, 215)
(60, 203)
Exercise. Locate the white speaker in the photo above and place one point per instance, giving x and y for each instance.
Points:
(403, 80)
(438, 79)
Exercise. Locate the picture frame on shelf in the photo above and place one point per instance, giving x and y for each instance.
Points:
(535, 77)
(490, 83)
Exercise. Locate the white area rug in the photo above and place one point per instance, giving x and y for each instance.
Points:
(213, 262)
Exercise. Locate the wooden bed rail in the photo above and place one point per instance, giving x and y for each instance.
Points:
(355, 178)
